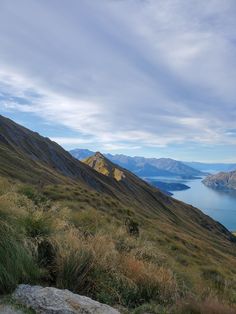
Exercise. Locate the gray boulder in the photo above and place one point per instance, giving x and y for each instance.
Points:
(55, 301)
(7, 309)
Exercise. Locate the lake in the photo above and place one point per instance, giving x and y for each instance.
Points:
(220, 205)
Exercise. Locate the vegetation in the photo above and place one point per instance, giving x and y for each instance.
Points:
(74, 238)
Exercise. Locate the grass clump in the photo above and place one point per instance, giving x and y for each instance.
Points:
(37, 224)
(16, 262)
(33, 194)
(74, 270)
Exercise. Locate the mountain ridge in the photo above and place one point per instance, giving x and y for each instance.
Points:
(143, 167)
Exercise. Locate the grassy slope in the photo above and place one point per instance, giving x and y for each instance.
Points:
(92, 252)
(198, 250)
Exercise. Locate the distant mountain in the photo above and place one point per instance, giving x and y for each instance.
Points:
(174, 166)
(221, 181)
(211, 167)
(148, 170)
(81, 153)
(147, 167)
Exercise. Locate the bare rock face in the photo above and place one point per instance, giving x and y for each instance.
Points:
(56, 301)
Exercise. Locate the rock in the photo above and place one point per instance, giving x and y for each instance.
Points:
(55, 301)
(7, 309)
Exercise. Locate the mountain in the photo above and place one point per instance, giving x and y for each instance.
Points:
(221, 181)
(148, 170)
(81, 153)
(175, 166)
(102, 165)
(147, 167)
(211, 167)
(161, 166)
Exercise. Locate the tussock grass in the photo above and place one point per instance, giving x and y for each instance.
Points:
(16, 262)
(53, 236)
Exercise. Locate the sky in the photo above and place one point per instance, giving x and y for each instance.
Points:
(138, 77)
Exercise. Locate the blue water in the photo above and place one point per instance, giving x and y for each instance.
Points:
(220, 205)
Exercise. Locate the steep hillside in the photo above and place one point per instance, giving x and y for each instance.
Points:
(35, 151)
(221, 181)
(27, 156)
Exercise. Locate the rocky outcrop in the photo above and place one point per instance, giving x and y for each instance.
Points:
(56, 301)
(102, 165)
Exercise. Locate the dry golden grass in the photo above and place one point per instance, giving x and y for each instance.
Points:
(90, 251)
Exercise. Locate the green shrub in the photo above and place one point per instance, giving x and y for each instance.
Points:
(37, 224)
(132, 227)
(33, 194)
(16, 263)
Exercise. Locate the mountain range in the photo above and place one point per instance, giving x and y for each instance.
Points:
(147, 167)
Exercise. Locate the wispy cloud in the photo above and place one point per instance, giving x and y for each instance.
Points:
(123, 73)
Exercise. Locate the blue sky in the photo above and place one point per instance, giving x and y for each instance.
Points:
(140, 77)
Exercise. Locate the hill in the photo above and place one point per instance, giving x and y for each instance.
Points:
(112, 237)
(221, 181)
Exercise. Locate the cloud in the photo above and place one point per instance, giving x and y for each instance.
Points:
(123, 73)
